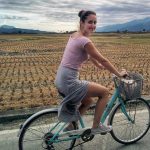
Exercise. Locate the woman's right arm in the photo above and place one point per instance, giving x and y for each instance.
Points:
(94, 53)
(96, 63)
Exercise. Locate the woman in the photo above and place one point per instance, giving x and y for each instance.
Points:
(76, 92)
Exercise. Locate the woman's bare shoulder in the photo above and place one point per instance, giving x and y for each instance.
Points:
(75, 35)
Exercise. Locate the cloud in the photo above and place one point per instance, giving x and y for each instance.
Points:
(54, 13)
(126, 7)
(121, 11)
(13, 17)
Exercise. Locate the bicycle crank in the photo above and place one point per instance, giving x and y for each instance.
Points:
(87, 136)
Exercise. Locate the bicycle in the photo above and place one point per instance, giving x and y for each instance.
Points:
(129, 117)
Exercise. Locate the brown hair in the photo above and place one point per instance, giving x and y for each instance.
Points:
(84, 14)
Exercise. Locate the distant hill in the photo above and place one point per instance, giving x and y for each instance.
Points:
(141, 25)
(6, 29)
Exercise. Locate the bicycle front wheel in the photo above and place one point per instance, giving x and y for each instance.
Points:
(37, 132)
(127, 131)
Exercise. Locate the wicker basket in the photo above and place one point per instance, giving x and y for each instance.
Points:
(131, 90)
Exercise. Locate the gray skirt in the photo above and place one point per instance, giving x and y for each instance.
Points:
(67, 82)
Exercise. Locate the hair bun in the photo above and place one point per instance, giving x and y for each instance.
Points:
(80, 13)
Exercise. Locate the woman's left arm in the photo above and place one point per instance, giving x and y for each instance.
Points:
(96, 63)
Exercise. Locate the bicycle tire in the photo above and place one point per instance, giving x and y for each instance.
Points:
(126, 132)
(38, 133)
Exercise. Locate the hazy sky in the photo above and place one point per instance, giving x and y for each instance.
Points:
(62, 15)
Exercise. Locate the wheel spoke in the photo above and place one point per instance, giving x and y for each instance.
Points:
(38, 132)
(125, 131)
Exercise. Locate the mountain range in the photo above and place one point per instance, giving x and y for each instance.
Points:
(140, 25)
(6, 29)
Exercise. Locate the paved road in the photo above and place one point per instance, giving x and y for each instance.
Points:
(9, 141)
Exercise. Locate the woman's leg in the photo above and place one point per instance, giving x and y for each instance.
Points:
(85, 104)
(95, 90)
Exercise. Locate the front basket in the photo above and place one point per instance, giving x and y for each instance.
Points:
(131, 90)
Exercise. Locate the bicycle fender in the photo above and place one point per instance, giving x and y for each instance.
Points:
(22, 126)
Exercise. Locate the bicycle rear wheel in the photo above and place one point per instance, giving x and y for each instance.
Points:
(36, 133)
(128, 132)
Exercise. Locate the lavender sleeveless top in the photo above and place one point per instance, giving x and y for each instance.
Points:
(74, 54)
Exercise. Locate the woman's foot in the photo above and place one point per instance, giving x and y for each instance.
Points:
(102, 129)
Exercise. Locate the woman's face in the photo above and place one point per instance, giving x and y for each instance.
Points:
(89, 25)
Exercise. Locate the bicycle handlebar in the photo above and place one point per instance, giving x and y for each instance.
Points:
(127, 81)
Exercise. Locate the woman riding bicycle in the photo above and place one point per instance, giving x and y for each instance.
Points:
(80, 92)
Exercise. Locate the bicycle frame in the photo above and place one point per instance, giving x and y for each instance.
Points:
(110, 105)
(118, 109)
(116, 96)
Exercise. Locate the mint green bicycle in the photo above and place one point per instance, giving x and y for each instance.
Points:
(127, 112)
